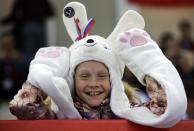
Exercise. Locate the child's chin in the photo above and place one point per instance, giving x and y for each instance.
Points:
(95, 103)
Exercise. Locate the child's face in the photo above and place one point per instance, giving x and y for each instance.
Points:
(92, 82)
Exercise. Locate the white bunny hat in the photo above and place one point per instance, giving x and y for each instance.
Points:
(53, 67)
(114, 52)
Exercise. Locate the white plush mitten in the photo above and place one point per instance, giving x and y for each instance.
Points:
(47, 72)
(143, 57)
(53, 59)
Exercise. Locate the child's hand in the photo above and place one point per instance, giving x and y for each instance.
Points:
(158, 102)
(28, 104)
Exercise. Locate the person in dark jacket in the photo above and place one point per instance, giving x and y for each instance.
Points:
(29, 24)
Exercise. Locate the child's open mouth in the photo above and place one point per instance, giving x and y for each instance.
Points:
(94, 93)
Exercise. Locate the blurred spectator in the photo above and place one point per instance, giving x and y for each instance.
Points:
(186, 63)
(12, 71)
(29, 17)
(186, 42)
(183, 60)
(186, 71)
(170, 47)
(7, 47)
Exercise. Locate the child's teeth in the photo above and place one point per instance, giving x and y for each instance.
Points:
(94, 93)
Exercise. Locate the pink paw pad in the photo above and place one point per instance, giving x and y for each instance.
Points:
(138, 41)
(53, 52)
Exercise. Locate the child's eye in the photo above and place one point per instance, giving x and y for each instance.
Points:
(103, 76)
(84, 76)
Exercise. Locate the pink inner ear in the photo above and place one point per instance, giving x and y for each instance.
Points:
(138, 41)
(51, 54)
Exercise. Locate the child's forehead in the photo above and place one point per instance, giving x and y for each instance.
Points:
(91, 64)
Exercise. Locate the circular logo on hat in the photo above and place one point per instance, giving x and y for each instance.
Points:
(69, 12)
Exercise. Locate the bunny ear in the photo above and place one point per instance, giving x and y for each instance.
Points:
(75, 19)
(131, 19)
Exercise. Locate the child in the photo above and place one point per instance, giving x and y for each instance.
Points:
(84, 81)
(92, 90)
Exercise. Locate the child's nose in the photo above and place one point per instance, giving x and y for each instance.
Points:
(93, 82)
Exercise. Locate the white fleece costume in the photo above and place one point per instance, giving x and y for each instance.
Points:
(53, 67)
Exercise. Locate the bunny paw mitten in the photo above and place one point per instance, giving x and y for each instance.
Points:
(47, 71)
(144, 58)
